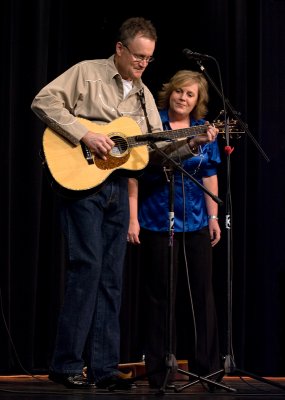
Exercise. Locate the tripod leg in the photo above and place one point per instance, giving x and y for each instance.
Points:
(259, 378)
(204, 379)
(230, 368)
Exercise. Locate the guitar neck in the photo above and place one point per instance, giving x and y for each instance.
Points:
(168, 135)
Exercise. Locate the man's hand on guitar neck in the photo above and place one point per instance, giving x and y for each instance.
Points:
(98, 143)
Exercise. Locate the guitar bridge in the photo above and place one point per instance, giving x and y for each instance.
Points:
(87, 153)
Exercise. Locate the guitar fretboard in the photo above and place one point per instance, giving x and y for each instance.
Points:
(192, 131)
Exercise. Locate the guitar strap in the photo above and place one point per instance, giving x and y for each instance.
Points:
(142, 100)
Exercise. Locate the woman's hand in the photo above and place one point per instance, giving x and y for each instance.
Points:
(134, 230)
(209, 136)
(215, 231)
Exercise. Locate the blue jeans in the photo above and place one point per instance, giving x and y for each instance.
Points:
(95, 230)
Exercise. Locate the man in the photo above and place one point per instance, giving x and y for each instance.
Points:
(96, 225)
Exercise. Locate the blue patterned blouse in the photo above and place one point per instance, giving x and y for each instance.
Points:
(190, 212)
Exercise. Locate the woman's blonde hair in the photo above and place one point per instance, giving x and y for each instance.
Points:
(185, 78)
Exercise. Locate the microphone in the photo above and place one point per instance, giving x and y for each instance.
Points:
(195, 56)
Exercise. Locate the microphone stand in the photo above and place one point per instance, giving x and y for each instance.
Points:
(229, 362)
(170, 359)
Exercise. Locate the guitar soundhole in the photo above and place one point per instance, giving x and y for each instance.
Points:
(118, 156)
(121, 146)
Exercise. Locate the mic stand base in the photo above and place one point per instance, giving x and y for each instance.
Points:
(204, 379)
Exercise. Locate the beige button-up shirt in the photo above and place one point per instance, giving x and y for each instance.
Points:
(93, 90)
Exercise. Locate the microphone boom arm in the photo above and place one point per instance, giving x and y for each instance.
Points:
(234, 112)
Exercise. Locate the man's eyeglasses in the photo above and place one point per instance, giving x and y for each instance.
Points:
(139, 58)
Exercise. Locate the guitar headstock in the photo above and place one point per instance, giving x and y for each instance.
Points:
(234, 130)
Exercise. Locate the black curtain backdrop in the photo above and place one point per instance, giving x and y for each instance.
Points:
(41, 39)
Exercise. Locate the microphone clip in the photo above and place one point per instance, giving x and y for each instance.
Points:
(192, 55)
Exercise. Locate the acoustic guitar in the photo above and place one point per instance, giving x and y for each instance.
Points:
(76, 168)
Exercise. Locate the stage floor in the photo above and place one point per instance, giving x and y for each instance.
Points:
(25, 387)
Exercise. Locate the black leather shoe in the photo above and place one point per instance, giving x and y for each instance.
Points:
(71, 381)
(114, 382)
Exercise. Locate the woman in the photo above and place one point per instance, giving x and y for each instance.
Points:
(183, 104)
